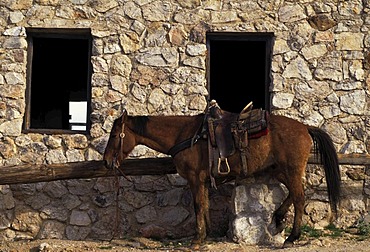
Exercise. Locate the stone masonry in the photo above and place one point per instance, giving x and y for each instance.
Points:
(149, 57)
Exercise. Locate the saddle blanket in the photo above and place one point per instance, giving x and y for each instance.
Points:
(258, 134)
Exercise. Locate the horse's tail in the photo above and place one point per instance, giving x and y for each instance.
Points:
(324, 147)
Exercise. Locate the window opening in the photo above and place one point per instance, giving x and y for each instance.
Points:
(239, 66)
(59, 72)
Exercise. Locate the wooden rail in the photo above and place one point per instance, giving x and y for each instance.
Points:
(347, 159)
(30, 173)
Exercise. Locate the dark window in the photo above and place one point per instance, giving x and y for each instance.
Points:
(239, 69)
(59, 74)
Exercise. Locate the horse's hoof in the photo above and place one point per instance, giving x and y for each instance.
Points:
(276, 227)
(288, 244)
(279, 228)
(279, 225)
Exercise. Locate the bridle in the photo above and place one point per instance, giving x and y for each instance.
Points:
(116, 165)
(122, 136)
(119, 149)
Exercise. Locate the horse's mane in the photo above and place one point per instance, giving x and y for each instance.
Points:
(139, 124)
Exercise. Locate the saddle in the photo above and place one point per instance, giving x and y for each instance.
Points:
(230, 131)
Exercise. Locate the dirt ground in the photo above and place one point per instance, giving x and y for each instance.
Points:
(346, 242)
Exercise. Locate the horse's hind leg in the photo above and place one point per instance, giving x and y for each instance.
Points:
(296, 192)
(280, 213)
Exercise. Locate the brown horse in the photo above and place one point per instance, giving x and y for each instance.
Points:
(282, 153)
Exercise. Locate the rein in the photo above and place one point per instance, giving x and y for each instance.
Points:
(116, 182)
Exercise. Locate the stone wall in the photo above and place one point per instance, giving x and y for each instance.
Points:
(149, 57)
(152, 206)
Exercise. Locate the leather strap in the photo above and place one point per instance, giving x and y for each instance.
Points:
(179, 147)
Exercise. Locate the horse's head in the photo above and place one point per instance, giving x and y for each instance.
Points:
(121, 142)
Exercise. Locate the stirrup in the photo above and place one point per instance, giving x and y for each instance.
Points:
(219, 166)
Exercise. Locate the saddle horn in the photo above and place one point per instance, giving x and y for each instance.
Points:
(247, 108)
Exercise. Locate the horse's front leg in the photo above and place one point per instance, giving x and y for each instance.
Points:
(201, 206)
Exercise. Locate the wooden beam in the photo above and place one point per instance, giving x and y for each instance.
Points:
(347, 159)
(30, 173)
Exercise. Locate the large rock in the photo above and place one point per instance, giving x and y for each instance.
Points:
(254, 202)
